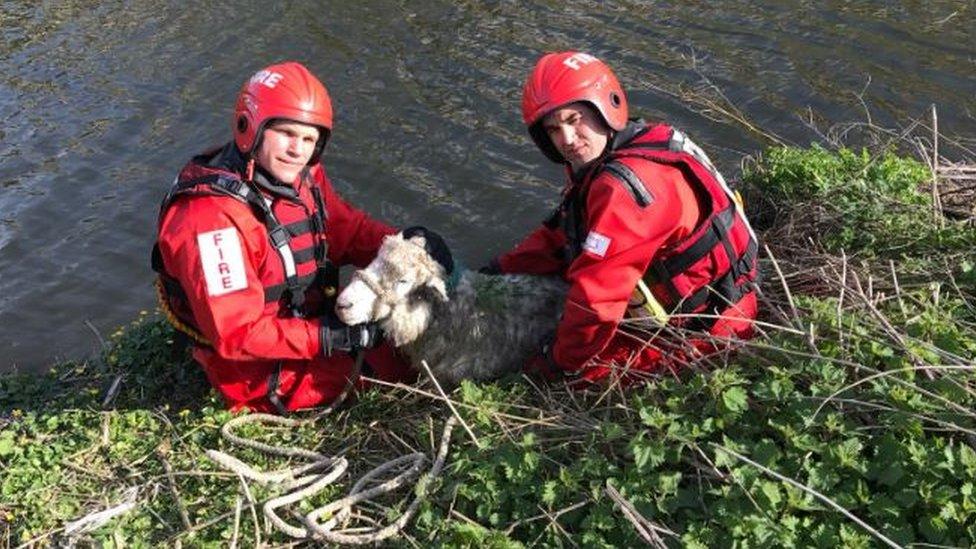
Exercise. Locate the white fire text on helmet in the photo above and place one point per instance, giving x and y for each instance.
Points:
(268, 78)
(577, 60)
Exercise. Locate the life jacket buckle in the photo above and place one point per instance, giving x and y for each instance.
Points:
(279, 236)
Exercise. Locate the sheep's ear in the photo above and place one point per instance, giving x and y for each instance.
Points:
(440, 288)
(419, 240)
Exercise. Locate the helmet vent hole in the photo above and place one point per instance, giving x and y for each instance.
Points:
(242, 124)
(614, 100)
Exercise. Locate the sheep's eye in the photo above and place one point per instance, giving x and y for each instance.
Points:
(403, 281)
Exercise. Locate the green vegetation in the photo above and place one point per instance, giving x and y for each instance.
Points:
(860, 390)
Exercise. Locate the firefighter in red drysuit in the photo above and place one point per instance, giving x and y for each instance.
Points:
(644, 215)
(250, 237)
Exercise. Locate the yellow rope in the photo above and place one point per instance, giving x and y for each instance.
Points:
(176, 322)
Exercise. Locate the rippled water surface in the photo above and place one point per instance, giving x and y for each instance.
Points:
(101, 103)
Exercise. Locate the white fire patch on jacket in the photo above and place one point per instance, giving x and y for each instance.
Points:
(223, 261)
(596, 243)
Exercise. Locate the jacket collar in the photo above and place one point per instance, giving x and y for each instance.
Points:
(635, 128)
(230, 158)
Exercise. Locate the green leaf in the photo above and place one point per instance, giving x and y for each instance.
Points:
(735, 399)
(771, 490)
(648, 454)
(6, 443)
(967, 457)
(549, 492)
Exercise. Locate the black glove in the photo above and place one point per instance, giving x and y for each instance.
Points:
(492, 268)
(434, 245)
(336, 336)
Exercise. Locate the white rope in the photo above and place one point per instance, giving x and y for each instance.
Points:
(298, 484)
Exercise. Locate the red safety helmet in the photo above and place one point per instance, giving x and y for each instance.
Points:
(283, 91)
(559, 79)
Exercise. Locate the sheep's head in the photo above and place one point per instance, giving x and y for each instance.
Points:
(397, 290)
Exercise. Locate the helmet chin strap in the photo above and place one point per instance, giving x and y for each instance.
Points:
(250, 169)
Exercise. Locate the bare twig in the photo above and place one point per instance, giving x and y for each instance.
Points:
(237, 521)
(810, 491)
(934, 166)
(98, 335)
(646, 529)
(168, 469)
(450, 404)
(95, 520)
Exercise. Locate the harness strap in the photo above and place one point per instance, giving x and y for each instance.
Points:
(281, 240)
(278, 234)
(718, 232)
(275, 292)
(725, 290)
(304, 255)
(299, 227)
(327, 274)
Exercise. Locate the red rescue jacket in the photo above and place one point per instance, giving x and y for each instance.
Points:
(652, 209)
(245, 265)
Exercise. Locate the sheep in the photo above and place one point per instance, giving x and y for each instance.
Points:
(484, 327)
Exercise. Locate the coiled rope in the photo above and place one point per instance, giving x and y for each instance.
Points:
(304, 481)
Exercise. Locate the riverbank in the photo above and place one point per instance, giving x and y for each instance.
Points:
(851, 420)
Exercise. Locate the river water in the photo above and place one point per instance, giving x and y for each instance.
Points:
(102, 102)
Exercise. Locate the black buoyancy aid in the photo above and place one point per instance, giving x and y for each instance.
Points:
(713, 267)
(217, 173)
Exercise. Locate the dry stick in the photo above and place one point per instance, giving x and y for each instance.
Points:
(428, 394)
(645, 528)
(891, 330)
(237, 522)
(450, 404)
(810, 491)
(168, 469)
(511, 527)
(98, 335)
(894, 279)
(936, 201)
(786, 288)
(200, 526)
(840, 299)
(112, 391)
(888, 373)
(31, 542)
(554, 521)
(97, 519)
(254, 514)
(946, 424)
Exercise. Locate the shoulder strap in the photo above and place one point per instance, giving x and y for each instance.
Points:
(625, 175)
(326, 274)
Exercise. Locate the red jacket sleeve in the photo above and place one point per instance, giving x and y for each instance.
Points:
(354, 237)
(540, 253)
(622, 240)
(237, 322)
